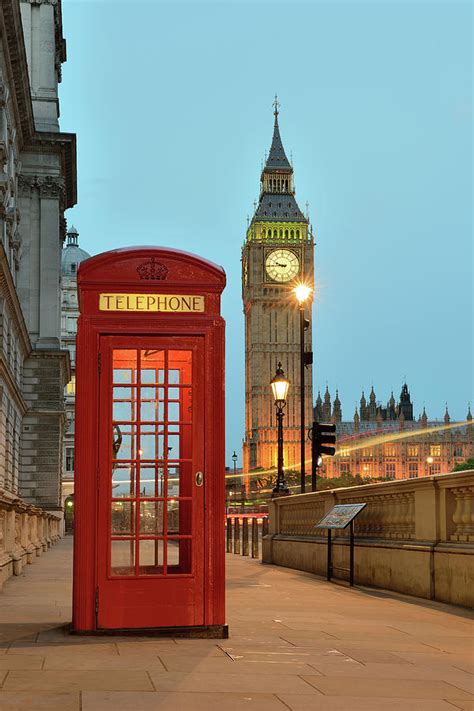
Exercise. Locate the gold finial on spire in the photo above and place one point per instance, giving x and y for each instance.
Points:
(276, 106)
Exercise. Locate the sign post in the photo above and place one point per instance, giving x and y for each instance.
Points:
(339, 517)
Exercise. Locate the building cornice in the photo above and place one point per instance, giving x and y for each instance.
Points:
(7, 289)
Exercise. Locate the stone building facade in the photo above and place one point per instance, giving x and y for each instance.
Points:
(388, 443)
(278, 253)
(72, 256)
(37, 184)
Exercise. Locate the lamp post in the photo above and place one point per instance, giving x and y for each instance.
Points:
(429, 461)
(302, 292)
(280, 385)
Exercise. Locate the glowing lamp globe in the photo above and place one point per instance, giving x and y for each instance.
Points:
(302, 292)
(280, 385)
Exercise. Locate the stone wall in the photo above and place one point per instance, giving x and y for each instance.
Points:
(415, 536)
(25, 533)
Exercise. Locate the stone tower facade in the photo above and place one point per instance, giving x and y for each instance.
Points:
(278, 254)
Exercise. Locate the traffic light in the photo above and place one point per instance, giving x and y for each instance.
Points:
(323, 434)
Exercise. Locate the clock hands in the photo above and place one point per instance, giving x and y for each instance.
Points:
(283, 266)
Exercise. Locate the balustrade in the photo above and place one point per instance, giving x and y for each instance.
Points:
(429, 522)
(25, 533)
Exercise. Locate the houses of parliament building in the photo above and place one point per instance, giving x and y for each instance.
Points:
(389, 443)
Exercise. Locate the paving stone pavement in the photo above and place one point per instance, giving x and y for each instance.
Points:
(296, 642)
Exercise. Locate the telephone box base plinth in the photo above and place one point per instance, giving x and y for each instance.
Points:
(198, 632)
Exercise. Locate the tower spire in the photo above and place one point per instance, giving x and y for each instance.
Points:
(277, 159)
(276, 106)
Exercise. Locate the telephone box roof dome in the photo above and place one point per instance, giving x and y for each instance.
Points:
(72, 254)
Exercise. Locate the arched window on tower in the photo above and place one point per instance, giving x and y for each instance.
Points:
(286, 234)
(292, 234)
(297, 234)
(263, 233)
(274, 234)
(281, 233)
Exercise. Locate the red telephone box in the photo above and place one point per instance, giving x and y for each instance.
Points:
(149, 444)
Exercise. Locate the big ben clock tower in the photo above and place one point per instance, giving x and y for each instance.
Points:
(277, 255)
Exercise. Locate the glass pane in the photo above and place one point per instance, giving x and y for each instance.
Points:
(151, 361)
(151, 446)
(179, 364)
(123, 480)
(151, 517)
(124, 441)
(173, 516)
(123, 411)
(123, 518)
(178, 558)
(173, 393)
(174, 450)
(173, 411)
(151, 557)
(122, 554)
(185, 521)
(173, 480)
(173, 377)
(152, 479)
(152, 410)
(124, 366)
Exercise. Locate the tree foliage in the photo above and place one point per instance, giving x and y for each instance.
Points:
(463, 466)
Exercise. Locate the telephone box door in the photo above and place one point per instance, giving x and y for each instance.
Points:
(150, 540)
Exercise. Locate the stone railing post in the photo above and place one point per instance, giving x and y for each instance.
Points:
(427, 526)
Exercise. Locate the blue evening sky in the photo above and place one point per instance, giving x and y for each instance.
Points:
(171, 103)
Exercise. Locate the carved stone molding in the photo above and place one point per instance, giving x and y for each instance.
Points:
(41, 2)
(46, 185)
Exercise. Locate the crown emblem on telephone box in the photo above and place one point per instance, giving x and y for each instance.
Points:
(152, 270)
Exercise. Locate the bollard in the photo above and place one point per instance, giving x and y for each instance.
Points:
(254, 538)
(264, 526)
(236, 535)
(245, 536)
(229, 535)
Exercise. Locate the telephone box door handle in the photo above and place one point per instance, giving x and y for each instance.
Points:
(199, 478)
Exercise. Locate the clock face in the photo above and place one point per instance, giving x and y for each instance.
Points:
(282, 265)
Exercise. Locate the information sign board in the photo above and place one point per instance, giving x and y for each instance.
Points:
(340, 516)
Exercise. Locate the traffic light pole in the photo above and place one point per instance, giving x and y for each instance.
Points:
(302, 424)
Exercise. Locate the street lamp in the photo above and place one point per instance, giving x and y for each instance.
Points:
(302, 293)
(429, 461)
(280, 387)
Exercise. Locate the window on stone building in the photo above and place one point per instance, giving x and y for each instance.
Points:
(343, 452)
(458, 450)
(412, 450)
(367, 453)
(413, 470)
(71, 386)
(436, 468)
(390, 470)
(367, 470)
(390, 450)
(344, 468)
(69, 459)
(435, 450)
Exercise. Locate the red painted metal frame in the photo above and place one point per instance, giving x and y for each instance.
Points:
(117, 271)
